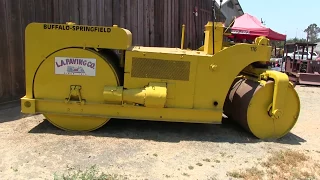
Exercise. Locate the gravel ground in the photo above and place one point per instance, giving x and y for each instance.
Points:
(32, 148)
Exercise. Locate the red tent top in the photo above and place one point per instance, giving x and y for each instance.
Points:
(249, 27)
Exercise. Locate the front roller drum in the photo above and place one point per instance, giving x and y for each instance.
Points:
(248, 103)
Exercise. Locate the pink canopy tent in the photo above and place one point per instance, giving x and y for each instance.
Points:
(249, 27)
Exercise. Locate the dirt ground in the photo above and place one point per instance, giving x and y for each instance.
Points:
(32, 148)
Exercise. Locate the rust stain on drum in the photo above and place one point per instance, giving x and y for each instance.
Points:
(238, 100)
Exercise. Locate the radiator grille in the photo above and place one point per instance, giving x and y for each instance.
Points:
(160, 69)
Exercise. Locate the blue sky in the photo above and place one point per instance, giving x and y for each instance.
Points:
(285, 16)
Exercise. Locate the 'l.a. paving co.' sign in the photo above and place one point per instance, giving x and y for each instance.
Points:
(75, 66)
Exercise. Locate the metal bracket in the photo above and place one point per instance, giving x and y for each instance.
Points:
(281, 83)
(75, 95)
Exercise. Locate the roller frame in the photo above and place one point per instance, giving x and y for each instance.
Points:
(281, 82)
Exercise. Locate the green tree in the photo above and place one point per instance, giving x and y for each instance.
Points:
(295, 40)
(278, 44)
(312, 32)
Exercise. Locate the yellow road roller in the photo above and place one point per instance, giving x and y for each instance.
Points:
(80, 76)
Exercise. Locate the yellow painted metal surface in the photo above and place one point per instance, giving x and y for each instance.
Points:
(208, 43)
(49, 85)
(261, 124)
(154, 95)
(47, 106)
(43, 39)
(281, 82)
(75, 123)
(79, 84)
(249, 103)
(182, 36)
(176, 68)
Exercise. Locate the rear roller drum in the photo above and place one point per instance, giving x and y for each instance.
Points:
(249, 102)
(76, 123)
(97, 70)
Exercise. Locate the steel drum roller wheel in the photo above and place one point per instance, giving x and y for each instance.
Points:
(248, 103)
(76, 123)
(48, 85)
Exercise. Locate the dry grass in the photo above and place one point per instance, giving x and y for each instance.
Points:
(285, 159)
(91, 173)
(248, 174)
(293, 164)
(282, 165)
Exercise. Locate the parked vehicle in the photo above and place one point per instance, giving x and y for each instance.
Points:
(302, 66)
(303, 55)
